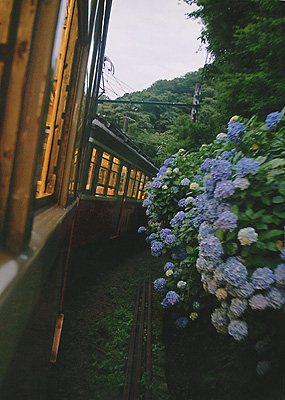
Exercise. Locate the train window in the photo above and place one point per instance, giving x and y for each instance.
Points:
(141, 186)
(136, 184)
(92, 168)
(61, 72)
(113, 177)
(131, 182)
(123, 179)
(103, 173)
(143, 193)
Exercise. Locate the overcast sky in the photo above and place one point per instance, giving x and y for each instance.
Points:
(150, 40)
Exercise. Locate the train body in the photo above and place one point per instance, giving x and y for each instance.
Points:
(67, 177)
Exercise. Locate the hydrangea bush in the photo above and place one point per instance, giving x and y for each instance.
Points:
(219, 214)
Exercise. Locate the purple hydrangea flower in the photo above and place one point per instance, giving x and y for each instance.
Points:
(205, 230)
(147, 202)
(141, 229)
(172, 297)
(246, 166)
(152, 236)
(162, 171)
(169, 265)
(170, 239)
(238, 329)
(156, 183)
(181, 322)
(206, 165)
(211, 247)
(223, 207)
(272, 119)
(280, 274)
(224, 189)
(164, 303)
(235, 272)
(159, 284)
(244, 290)
(258, 302)
(282, 253)
(197, 177)
(156, 248)
(221, 169)
(227, 221)
(262, 278)
(234, 131)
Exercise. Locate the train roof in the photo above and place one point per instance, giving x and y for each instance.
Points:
(109, 136)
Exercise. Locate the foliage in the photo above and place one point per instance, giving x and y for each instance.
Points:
(221, 209)
(160, 130)
(246, 40)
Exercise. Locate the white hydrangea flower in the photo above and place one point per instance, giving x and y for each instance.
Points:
(194, 185)
(221, 294)
(247, 236)
(181, 284)
(241, 183)
(164, 187)
(169, 272)
(221, 137)
(176, 170)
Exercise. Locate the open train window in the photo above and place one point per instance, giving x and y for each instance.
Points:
(63, 53)
(122, 182)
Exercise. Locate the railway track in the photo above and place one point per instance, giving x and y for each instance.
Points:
(138, 371)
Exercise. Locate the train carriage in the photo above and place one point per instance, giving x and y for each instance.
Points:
(67, 178)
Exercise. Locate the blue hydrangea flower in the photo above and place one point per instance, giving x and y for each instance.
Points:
(206, 165)
(227, 221)
(226, 155)
(221, 169)
(275, 298)
(172, 297)
(197, 221)
(205, 230)
(235, 272)
(199, 201)
(258, 302)
(244, 290)
(211, 248)
(165, 303)
(147, 202)
(162, 171)
(197, 177)
(224, 189)
(152, 236)
(169, 161)
(246, 166)
(159, 284)
(280, 274)
(241, 183)
(141, 229)
(282, 253)
(174, 189)
(262, 278)
(263, 367)
(177, 272)
(246, 236)
(209, 185)
(223, 207)
(164, 232)
(169, 265)
(156, 248)
(170, 239)
(272, 119)
(238, 307)
(178, 219)
(185, 182)
(181, 322)
(211, 210)
(235, 129)
(219, 274)
(205, 265)
(220, 320)
(238, 329)
(182, 202)
(182, 254)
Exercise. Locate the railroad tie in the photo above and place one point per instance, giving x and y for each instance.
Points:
(139, 356)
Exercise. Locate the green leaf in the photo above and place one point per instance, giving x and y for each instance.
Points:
(219, 234)
(270, 234)
(278, 199)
